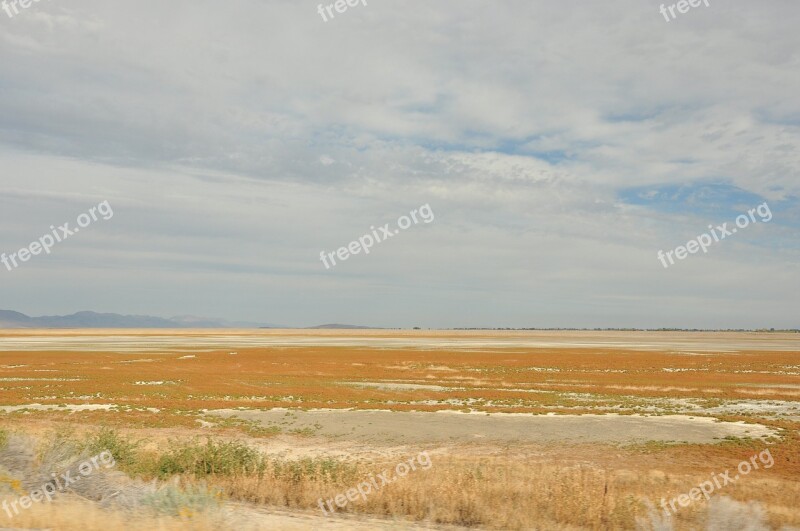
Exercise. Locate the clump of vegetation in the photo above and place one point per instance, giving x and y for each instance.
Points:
(124, 450)
(249, 427)
(212, 458)
(57, 449)
(743, 442)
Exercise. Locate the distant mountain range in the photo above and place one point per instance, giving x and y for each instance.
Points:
(11, 319)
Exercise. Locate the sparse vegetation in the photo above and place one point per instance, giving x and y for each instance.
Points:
(200, 466)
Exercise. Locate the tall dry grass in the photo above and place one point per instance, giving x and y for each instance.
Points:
(505, 493)
(502, 492)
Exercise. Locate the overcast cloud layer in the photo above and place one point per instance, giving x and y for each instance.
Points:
(560, 145)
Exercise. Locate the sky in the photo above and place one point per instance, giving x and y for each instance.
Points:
(559, 145)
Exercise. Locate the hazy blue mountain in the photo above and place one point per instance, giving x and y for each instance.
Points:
(11, 319)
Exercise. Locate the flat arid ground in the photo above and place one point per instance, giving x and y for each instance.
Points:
(475, 429)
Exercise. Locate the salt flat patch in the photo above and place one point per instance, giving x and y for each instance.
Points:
(779, 408)
(518, 390)
(690, 344)
(770, 385)
(401, 427)
(440, 368)
(662, 388)
(767, 392)
(22, 379)
(397, 386)
(70, 407)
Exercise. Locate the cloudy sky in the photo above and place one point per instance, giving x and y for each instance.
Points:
(560, 145)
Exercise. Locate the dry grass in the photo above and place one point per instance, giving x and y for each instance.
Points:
(505, 493)
(486, 493)
(557, 490)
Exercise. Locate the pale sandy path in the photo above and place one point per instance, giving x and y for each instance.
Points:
(247, 518)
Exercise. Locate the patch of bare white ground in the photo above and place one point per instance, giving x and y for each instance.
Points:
(68, 407)
(196, 341)
(401, 427)
(754, 408)
(392, 386)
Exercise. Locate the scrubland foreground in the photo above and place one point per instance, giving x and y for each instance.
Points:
(283, 430)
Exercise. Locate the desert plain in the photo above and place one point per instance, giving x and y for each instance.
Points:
(262, 429)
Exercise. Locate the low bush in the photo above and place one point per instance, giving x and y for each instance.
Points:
(212, 458)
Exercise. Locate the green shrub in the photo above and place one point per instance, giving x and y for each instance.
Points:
(124, 450)
(211, 458)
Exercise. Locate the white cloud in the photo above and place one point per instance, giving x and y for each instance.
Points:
(238, 141)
